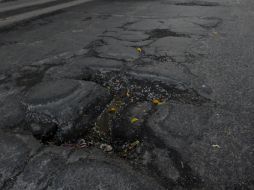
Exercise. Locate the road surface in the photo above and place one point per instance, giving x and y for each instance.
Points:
(115, 94)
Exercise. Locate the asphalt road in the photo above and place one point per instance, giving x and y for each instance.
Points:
(130, 95)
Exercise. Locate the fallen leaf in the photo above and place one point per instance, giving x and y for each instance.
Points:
(134, 120)
(112, 110)
(139, 50)
(133, 145)
(156, 101)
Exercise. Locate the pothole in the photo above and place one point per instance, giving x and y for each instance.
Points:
(121, 124)
(107, 110)
(116, 126)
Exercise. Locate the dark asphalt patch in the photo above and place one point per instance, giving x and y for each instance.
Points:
(197, 3)
(161, 33)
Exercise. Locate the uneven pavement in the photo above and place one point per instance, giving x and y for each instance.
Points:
(129, 95)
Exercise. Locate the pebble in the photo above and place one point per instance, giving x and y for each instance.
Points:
(106, 147)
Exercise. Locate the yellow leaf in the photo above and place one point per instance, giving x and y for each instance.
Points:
(156, 102)
(139, 50)
(112, 110)
(134, 120)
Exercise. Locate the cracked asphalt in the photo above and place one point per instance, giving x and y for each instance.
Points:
(146, 94)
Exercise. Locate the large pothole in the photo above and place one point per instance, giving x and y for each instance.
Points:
(110, 111)
(106, 108)
(122, 122)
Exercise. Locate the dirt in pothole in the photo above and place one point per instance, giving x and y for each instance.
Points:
(119, 127)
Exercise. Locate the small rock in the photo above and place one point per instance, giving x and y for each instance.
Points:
(106, 147)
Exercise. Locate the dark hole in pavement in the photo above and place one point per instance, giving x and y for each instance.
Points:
(130, 95)
(127, 92)
(113, 130)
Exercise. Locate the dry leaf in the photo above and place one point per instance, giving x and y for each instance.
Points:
(134, 144)
(112, 110)
(134, 120)
(156, 101)
(139, 50)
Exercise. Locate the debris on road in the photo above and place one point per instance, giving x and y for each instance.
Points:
(112, 110)
(216, 146)
(134, 120)
(106, 147)
(139, 50)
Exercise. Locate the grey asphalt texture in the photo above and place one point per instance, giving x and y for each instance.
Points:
(61, 75)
